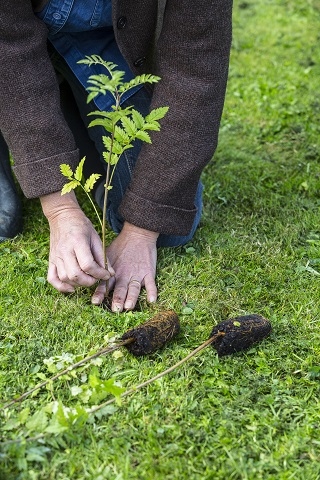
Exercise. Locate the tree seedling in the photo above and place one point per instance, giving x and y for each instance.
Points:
(122, 127)
(232, 335)
(227, 337)
(144, 339)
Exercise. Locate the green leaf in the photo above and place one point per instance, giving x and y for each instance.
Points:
(69, 186)
(101, 113)
(137, 118)
(49, 407)
(107, 410)
(107, 142)
(102, 122)
(59, 422)
(117, 78)
(190, 250)
(106, 156)
(92, 95)
(81, 415)
(104, 388)
(61, 415)
(111, 118)
(90, 182)
(187, 311)
(152, 126)
(11, 424)
(85, 395)
(96, 59)
(79, 170)
(22, 464)
(97, 361)
(117, 148)
(157, 114)
(114, 159)
(138, 80)
(94, 379)
(126, 147)
(116, 115)
(114, 389)
(117, 355)
(66, 170)
(102, 84)
(55, 427)
(144, 136)
(38, 421)
(75, 390)
(37, 454)
(23, 415)
(50, 364)
(121, 136)
(100, 79)
(129, 126)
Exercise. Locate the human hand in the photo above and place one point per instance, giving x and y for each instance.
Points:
(76, 255)
(133, 256)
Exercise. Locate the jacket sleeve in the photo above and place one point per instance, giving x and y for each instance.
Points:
(192, 58)
(30, 117)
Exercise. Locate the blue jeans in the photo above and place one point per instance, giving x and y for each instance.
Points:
(122, 176)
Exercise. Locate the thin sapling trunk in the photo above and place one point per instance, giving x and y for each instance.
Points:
(122, 126)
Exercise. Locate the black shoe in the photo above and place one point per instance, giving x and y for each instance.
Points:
(10, 205)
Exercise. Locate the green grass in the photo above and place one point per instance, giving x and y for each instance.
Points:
(253, 415)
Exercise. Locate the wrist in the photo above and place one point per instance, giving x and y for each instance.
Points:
(129, 228)
(55, 203)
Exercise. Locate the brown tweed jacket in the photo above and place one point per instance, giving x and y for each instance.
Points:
(188, 47)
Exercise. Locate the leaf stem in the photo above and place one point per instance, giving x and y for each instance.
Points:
(92, 203)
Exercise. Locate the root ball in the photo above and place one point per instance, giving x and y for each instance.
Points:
(153, 334)
(239, 333)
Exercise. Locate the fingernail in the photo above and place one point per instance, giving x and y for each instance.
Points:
(128, 305)
(152, 299)
(95, 300)
(116, 308)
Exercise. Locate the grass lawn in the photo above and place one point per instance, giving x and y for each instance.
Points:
(249, 416)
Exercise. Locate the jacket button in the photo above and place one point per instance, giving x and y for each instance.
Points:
(139, 62)
(122, 22)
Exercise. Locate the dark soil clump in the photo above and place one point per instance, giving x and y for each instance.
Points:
(239, 333)
(153, 334)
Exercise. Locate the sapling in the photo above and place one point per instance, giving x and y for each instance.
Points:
(122, 127)
(228, 337)
(144, 339)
